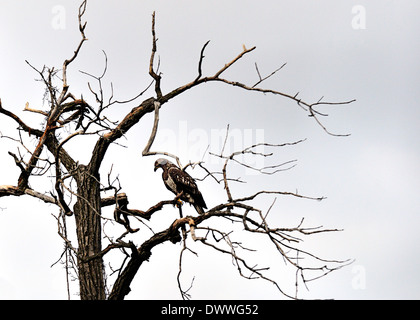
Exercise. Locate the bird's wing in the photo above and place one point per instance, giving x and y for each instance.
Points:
(183, 180)
(186, 183)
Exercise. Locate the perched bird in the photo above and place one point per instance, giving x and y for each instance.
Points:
(177, 181)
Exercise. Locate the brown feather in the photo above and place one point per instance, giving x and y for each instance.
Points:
(177, 181)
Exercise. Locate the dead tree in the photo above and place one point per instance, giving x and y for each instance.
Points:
(79, 189)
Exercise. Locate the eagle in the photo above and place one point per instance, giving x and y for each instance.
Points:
(177, 181)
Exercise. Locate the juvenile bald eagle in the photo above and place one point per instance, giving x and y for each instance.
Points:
(179, 181)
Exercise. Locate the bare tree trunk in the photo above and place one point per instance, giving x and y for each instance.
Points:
(87, 212)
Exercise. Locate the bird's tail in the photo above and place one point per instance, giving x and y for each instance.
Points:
(199, 209)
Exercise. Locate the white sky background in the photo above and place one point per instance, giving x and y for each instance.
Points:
(371, 179)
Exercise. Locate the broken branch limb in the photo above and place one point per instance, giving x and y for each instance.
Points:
(6, 190)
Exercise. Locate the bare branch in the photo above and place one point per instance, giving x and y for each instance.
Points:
(152, 73)
(200, 62)
(82, 26)
(265, 78)
(146, 150)
(25, 127)
(244, 52)
(252, 197)
(6, 190)
(34, 110)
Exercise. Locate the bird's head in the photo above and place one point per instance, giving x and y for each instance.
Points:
(159, 163)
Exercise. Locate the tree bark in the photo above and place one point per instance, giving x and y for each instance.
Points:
(87, 211)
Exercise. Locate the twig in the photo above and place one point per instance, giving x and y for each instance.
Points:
(201, 61)
(265, 78)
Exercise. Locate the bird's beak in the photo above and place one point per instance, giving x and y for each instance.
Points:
(156, 167)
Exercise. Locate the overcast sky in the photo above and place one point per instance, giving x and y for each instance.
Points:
(342, 50)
